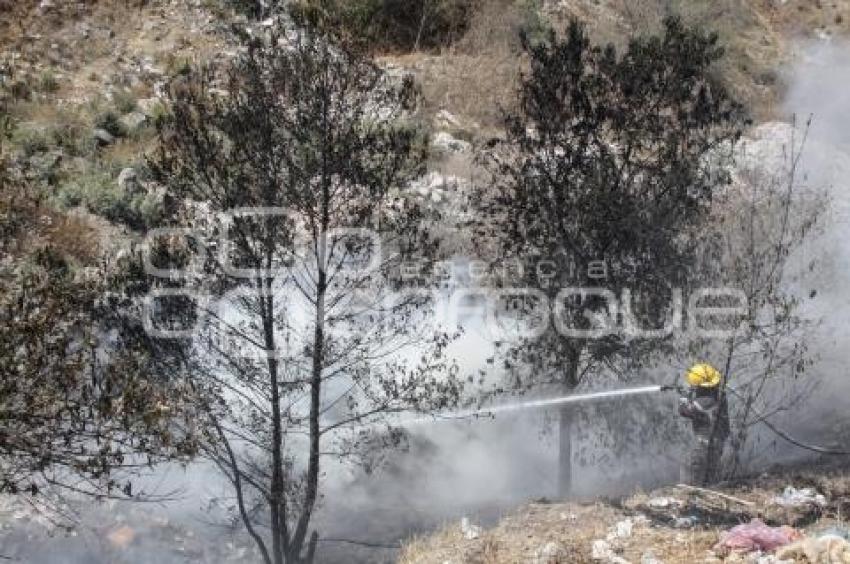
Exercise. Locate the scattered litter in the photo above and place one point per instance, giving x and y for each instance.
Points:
(715, 494)
(603, 551)
(623, 529)
(640, 519)
(685, 522)
(664, 502)
(600, 550)
(470, 531)
(772, 559)
(792, 497)
(827, 549)
(648, 557)
(755, 535)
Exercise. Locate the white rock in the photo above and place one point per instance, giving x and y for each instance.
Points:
(128, 180)
(134, 120)
(446, 119)
(449, 144)
(147, 105)
(103, 137)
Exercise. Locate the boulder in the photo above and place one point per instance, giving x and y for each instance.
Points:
(446, 120)
(148, 105)
(128, 180)
(447, 143)
(134, 121)
(45, 6)
(103, 137)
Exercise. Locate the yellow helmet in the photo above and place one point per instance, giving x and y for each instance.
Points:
(703, 376)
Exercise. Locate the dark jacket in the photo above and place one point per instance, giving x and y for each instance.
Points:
(708, 411)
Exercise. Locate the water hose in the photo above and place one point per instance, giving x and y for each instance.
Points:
(553, 402)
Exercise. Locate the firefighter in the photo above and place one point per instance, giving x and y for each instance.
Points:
(705, 405)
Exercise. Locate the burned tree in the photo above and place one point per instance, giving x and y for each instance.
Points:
(609, 163)
(757, 242)
(300, 151)
(81, 408)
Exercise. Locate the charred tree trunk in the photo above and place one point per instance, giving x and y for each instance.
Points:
(566, 417)
(277, 510)
(565, 452)
(318, 360)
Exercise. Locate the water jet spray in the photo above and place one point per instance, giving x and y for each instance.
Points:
(533, 404)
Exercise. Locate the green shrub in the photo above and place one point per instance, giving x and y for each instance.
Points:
(178, 66)
(150, 210)
(158, 114)
(251, 8)
(533, 24)
(47, 82)
(98, 191)
(72, 136)
(32, 140)
(124, 101)
(109, 121)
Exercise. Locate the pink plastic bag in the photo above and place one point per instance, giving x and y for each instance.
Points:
(755, 535)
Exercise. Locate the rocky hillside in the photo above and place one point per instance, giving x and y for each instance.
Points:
(82, 81)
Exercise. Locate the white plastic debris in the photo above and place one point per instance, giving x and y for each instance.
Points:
(569, 516)
(550, 553)
(664, 502)
(623, 529)
(470, 531)
(685, 522)
(648, 557)
(600, 550)
(771, 559)
(603, 552)
(792, 497)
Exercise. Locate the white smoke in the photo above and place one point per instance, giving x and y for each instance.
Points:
(482, 469)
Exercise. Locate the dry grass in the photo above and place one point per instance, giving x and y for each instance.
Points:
(574, 527)
(477, 78)
(72, 235)
(517, 538)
